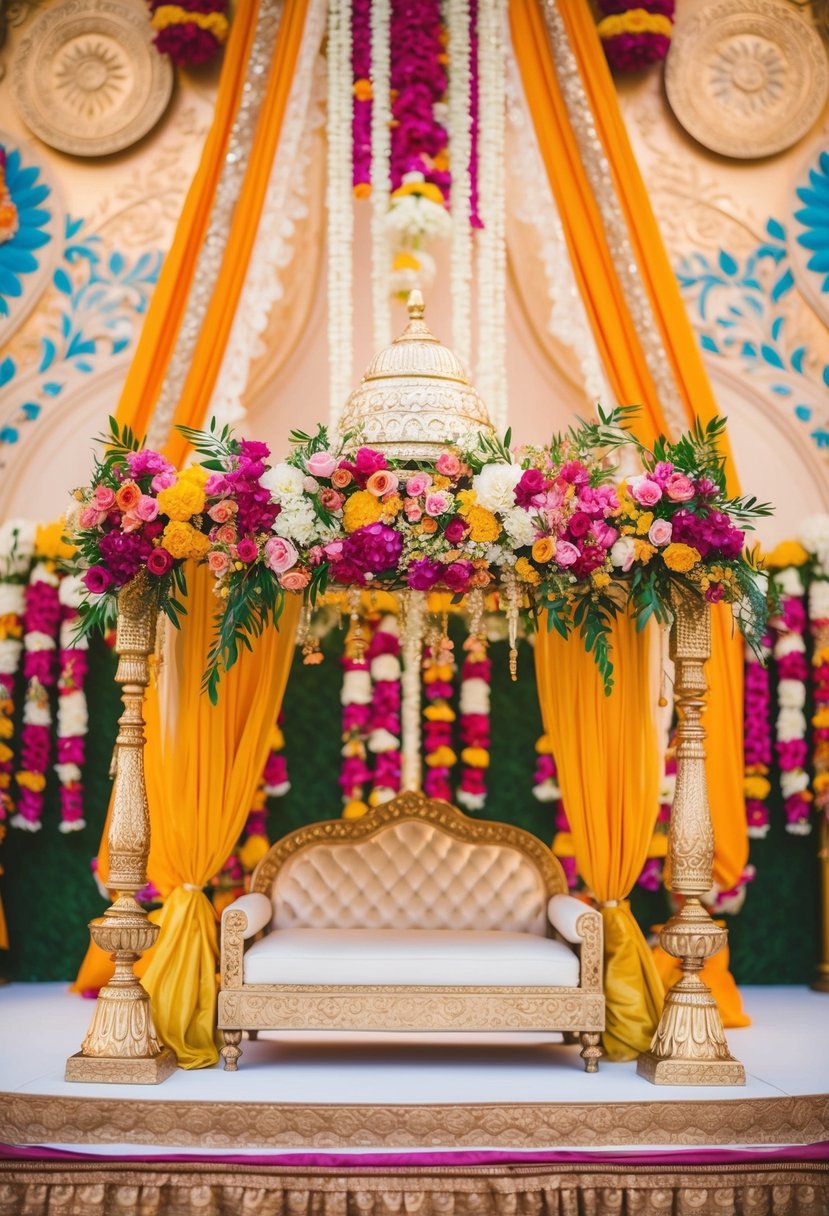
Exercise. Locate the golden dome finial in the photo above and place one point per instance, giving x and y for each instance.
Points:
(415, 396)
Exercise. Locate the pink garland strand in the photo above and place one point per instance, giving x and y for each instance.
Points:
(71, 747)
(418, 84)
(474, 724)
(41, 622)
(384, 719)
(757, 751)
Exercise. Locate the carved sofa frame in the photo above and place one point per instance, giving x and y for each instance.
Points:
(579, 1011)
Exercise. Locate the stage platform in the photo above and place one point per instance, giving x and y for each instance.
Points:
(350, 1094)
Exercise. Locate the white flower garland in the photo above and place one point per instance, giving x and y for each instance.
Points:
(380, 164)
(73, 714)
(790, 724)
(286, 203)
(491, 261)
(460, 150)
(17, 539)
(340, 212)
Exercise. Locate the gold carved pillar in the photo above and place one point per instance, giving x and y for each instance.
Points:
(689, 1047)
(121, 1045)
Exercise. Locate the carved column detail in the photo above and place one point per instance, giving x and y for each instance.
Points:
(689, 1047)
(121, 1045)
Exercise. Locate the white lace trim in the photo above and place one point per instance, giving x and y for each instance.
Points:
(286, 202)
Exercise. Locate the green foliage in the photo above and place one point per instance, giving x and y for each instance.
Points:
(254, 602)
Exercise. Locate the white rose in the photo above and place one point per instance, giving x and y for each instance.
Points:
(67, 773)
(788, 581)
(356, 688)
(520, 527)
(495, 486)
(794, 782)
(10, 651)
(283, 481)
(546, 791)
(623, 552)
(36, 641)
(819, 600)
(71, 591)
(814, 536)
(791, 694)
(12, 599)
(297, 522)
(73, 718)
(385, 667)
(791, 724)
(789, 643)
(383, 741)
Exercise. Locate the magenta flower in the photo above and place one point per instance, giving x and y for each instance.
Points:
(97, 579)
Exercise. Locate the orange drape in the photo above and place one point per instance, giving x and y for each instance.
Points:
(608, 768)
(616, 337)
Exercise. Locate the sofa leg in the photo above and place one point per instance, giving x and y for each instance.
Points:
(231, 1051)
(590, 1050)
(253, 1035)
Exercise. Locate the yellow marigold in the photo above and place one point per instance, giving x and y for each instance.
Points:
(821, 719)
(821, 656)
(361, 190)
(183, 540)
(181, 501)
(644, 522)
(443, 757)
(10, 626)
(563, 845)
(173, 14)
(360, 510)
(787, 553)
(392, 505)
(441, 482)
(543, 549)
(680, 558)
(439, 673)
(5, 780)
(820, 783)
(439, 713)
(354, 747)
(405, 260)
(466, 500)
(252, 851)
(526, 572)
(362, 89)
(49, 541)
(276, 739)
(635, 21)
(483, 526)
(195, 472)
(6, 753)
(6, 728)
(543, 745)
(425, 189)
(355, 809)
(31, 781)
(643, 552)
(756, 787)
(475, 757)
(600, 578)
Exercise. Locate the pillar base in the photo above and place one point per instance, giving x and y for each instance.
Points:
(121, 1070)
(660, 1071)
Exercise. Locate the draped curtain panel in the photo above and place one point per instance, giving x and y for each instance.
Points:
(608, 768)
(636, 312)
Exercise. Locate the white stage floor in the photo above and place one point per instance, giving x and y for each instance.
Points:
(389, 1093)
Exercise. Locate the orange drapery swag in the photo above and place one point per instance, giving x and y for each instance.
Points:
(608, 767)
(616, 337)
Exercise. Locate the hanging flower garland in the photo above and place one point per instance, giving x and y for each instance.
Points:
(340, 235)
(355, 698)
(363, 91)
(9, 219)
(460, 108)
(474, 723)
(814, 535)
(380, 156)
(16, 550)
(384, 720)
(635, 35)
(438, 753)
(757, 751)
(41, 620)
(190, 32)
(790, 656)
(73, 718)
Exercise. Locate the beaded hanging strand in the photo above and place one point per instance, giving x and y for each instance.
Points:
(460, 148)
(380, 171)
(339, 203)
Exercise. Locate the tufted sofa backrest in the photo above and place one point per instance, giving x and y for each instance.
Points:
(411, 874)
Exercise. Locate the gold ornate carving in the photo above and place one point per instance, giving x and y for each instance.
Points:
(51, 1119)
(746, 78)
(415, 396)
(121, 1044)
(689, 1046)
(589, 927)
(412, 805)
(87, 79)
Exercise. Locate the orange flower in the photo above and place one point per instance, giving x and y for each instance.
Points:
(128, 496)
(341, 478)
(429, 525)
(543, 549)
(363, 90)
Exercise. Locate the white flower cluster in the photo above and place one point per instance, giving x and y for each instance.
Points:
(17, 546)
(12, 603)
(495, 486)
(416, 217)
(819, 600)
(814, 536)
(297, 520)
(356, 689)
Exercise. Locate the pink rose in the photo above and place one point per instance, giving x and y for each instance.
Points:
(333, 550)
(159, 562)
(216, 483)
(321, 464)
(660, 531)
(247, 550)
(418, 484)
(448, 464)
(603, 534)
(332, 500)
(413, 510)
(91, 517)
(146, 508)
(280, 554)
(294, 580)
(679, 488)
(310, 485)
(438, 503)
(162, 481)
(226, 535)
(566, 554)
(315, 554)
(103, 498)
(218, 562)
(646, 492)
(222, 511)
(131, 522)
(382, 482)
(662, 471)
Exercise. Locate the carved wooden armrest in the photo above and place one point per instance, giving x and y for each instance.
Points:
(581, 925)
(241, 920)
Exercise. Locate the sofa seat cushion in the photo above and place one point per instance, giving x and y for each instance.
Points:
(410, 956)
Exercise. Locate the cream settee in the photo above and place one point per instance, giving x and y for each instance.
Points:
(412, 918)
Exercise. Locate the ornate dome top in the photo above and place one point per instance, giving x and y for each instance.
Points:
(415, 396)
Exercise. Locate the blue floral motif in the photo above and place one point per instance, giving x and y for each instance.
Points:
(103, 294)
(740, 309)
(18, 255)
(814, 217)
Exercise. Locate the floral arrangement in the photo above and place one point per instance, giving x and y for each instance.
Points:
(191, 32)
(9, 219)
(635, 35)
